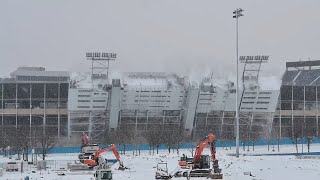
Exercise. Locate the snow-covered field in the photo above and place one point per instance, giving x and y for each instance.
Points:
(143, 166)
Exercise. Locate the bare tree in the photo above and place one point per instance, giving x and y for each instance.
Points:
(298, 129)
(137, 141)
(45, 141)
(122, 137)
(172, 138)
(23, 140)
(4, 143)
(13, 139)
(309, 141)
(154, 137)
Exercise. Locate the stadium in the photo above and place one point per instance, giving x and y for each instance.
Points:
(142, 102)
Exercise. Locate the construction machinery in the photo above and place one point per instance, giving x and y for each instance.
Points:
(87, 149)
(97, 160)
(162, 171)
(200, 164)
(103, 174)
(185, 162)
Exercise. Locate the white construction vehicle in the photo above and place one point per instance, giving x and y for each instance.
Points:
(162, 171)
(103, 174)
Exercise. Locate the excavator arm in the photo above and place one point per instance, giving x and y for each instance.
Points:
(210, 139)
(200, 162)
(94, 160)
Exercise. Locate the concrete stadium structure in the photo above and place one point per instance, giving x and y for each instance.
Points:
(297, 113)
(35, 98)
(144, 101)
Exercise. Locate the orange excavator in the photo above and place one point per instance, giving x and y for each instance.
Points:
(200, 164)
(97, 160)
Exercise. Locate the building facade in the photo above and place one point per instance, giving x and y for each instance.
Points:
(297, 113)
(46, 100)
(37, 99)
(87, 113)
(148, 101)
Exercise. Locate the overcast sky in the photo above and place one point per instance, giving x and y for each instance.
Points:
(183, 36)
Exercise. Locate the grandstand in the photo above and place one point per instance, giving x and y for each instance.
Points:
(297, 113)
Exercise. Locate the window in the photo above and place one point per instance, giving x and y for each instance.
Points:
(81, 95)
(264, 92)
(246, 108)
(98, 106)
(250, 92)
(83, 100)
(262, 108)
(262, 102)
(263, 97)
(84, 90)
(83, 106)
(96, 93)
(99, 100)
(204, 103)
(249, 97)
(250, 102)
(286, 93)
(158, 101)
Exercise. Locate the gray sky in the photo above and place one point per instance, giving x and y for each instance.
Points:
(183, 36)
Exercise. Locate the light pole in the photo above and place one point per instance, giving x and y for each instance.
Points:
(236, 14)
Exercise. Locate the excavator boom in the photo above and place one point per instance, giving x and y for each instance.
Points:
(210, 139)
(95, 158)
(201, 163)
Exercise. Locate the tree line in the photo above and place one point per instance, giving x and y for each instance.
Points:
(20, 140)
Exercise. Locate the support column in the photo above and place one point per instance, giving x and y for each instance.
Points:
(250, 128)
(90, 124)
(206, 121)
(317, 109)
(280, 117)
(44, 108)
(180, 118)
(292, 112)
(58, 110)
(163, 116)
(304, 111)
(2, 108)
(69, 133)
(221, 127)
(119, 121)
(147, 120)
(16, 105)
(136, 123)
(30, 111)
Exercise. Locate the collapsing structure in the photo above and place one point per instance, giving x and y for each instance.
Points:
(142, 102)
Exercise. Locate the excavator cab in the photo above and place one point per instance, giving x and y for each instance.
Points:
(203, 163)
(185, 162)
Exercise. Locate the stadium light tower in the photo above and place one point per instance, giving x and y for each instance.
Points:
(236, 14)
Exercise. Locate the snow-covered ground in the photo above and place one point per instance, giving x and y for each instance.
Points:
(143, 166)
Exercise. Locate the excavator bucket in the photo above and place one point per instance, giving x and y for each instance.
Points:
(122, 168)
